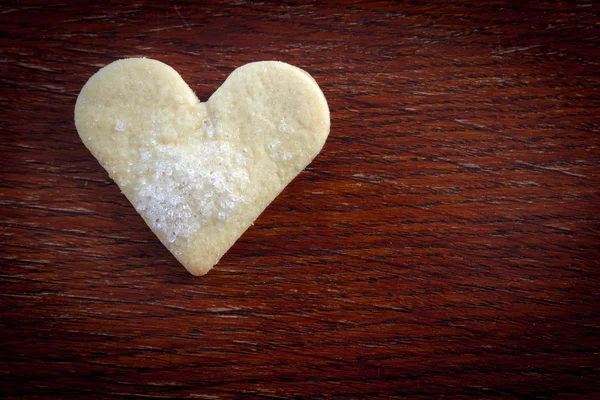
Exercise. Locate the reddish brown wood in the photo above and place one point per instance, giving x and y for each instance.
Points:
(445, 242)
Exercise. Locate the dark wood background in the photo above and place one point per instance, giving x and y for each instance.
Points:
(444, 243)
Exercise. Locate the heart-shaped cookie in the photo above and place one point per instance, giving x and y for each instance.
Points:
(201, 173)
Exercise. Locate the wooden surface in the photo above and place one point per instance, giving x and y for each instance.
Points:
(444, 243)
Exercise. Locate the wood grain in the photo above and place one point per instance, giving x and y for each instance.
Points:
(444, 244)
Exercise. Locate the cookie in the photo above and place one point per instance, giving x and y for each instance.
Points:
(198, 173)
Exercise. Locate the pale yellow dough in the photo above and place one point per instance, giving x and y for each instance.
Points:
(201, 173)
